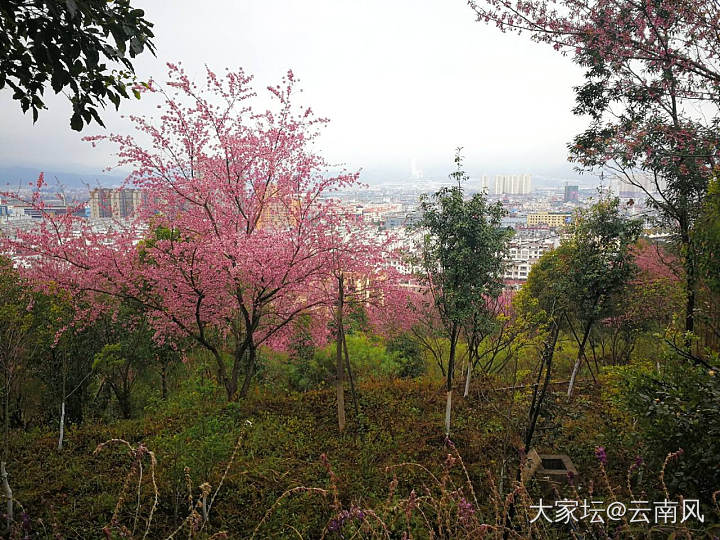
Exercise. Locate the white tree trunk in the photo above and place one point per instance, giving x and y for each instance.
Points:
(575, 370)
(448, 409)
(205, 508)
(62, 426)
(467, 379)
(8, 494)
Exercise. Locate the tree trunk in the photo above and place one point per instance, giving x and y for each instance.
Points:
(448, 411)
(535, 408)
(62, 425)
(205, 508)
(163, 380)
(451, 367)
(340, 371)
(230, 383)
(8, 494)
(614, 347)
(575, 370)
(690, 288)
(6, 427)
(467, 379)
(123, 398)
(581, 352)
(350, 376)
(62, 410)
(125, 405)
(249, 373)
(538, 398)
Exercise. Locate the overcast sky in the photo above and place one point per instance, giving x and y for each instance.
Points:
(400, 80)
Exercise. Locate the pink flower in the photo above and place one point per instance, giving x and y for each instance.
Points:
(600, 454)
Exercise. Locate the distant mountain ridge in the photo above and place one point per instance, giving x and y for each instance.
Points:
(13, 176)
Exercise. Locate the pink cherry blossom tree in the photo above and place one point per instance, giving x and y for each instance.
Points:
(649, 303)
(236, 233)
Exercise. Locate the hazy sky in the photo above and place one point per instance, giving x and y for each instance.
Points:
(399, 79)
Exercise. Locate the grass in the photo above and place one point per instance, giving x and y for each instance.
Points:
(279, 440)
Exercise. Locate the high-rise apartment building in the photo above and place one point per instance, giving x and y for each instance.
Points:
(572, 194)
(485, 183)
(513, 184)
(117, 203)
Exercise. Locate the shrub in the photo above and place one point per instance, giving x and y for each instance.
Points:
(679, 409)
(407, 355)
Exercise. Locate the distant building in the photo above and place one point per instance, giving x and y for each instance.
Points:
(551, 219)
(571, 194)
(515, 184)
(522, 255)
(279, 214)
(117, 203)
(393, 220)
(415, 173)
(485, 183)
(52, 209)
(100, 203)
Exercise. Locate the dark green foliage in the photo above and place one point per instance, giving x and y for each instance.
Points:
(18, 344)
(407, 354)
(707, 238)
(585, 275)
(463, 249)
(66, 370)
(599, 261)
(356, 320)
(75, 46)
(128, 354)
(49, 358)
(301, 354)
(706, 244)
(679, 409)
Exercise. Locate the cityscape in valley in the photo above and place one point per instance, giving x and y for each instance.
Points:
(537, 216)
(359, 270)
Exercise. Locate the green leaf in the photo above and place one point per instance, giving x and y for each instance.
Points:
(76, 122)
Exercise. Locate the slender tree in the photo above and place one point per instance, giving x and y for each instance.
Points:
(362, 280)
(707, 240)
(597, 270)
(18, 345)
(461, 260)
(580, 283)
